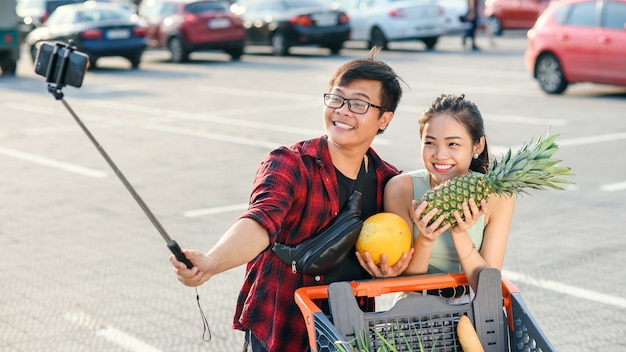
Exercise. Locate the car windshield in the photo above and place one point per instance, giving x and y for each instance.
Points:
(304, 4)
(29, 4)
(52, 5)
(279, 4)
(96, 15)
(60, 16)
(67, 15)
(206, 6)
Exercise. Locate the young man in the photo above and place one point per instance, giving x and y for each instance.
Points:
(297, 191)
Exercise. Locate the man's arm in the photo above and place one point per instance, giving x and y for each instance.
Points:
(240, 244)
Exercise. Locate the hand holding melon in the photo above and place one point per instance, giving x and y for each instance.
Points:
(384, 233)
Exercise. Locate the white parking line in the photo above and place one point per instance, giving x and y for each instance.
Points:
(246, 92)
(227, 121)
(52, 163)
(592, 139)
(620, 186)
(203, 117)
(565, 289)
(212, 136)
(524, 120)
(601, 138)
(113, 335)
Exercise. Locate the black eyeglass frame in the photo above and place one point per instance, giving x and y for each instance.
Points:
(346, 100)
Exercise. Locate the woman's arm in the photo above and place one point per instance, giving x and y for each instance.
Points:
(498, 221)
(398, 196)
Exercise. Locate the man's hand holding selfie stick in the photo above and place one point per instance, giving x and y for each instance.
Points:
(62, 65)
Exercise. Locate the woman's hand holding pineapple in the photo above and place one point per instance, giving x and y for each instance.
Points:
(471, 213)
(432, 231)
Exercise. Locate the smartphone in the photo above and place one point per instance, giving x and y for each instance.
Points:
(52, 56)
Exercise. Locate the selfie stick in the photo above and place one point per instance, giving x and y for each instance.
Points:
(55, 87)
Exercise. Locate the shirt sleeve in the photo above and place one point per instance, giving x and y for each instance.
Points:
(274, 189)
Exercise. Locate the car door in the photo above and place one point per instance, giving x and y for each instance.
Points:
(577, 38)
(611, 38)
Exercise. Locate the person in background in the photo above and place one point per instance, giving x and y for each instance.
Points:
(484, 26)
(475, 11)
(452, 144)
(297, 191)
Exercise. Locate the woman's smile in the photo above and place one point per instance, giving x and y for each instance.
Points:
(442, 168)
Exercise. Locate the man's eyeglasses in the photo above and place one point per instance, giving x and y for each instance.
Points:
(357, 106)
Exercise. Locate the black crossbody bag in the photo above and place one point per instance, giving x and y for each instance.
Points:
(320, 254)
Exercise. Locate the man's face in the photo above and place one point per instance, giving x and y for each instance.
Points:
(348, 129)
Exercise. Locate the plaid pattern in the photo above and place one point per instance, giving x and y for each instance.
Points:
(295, 194)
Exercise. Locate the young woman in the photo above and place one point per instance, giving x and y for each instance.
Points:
(452, 144)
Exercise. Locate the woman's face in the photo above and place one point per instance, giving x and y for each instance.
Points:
(447, 148)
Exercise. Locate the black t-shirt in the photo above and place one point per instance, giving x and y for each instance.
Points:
(350, 269)
(365, 183)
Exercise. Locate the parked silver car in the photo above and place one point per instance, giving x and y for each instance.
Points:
(379, 22)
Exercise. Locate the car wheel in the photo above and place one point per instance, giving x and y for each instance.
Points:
(235, 54)
(177, 48)
(549, 73)
(93, 62)
(430, 42)
(279, 46)
(335, 48)
(8, 67)
(495, 26)
(135, 60)
(377, 38)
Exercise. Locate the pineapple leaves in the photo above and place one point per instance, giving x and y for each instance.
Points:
(531, 167)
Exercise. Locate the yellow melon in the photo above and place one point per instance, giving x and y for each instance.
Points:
(384, 233)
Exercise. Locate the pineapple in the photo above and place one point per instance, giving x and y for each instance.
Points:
(530, 168)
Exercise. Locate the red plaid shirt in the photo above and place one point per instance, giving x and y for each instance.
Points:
(295, 195)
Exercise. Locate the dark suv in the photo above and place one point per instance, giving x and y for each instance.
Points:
(185, 26)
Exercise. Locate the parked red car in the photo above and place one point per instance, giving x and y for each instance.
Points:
(513, 14)
(185, 26)
(578, 41)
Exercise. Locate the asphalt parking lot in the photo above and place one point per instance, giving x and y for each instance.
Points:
(82, 269)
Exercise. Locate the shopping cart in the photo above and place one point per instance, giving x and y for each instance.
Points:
(420, 322)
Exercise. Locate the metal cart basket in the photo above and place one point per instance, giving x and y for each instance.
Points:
(420, 322)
